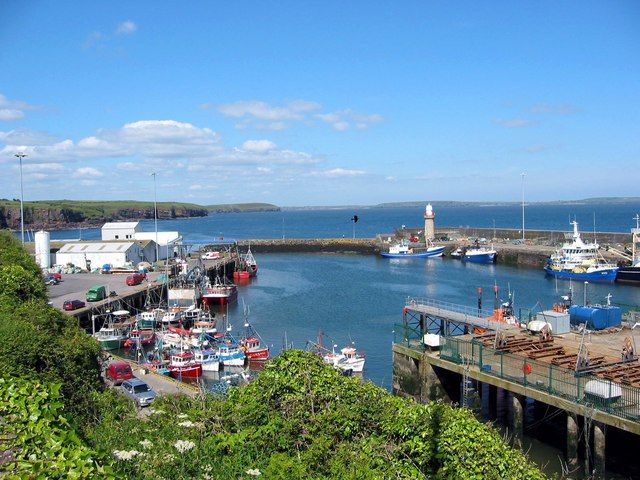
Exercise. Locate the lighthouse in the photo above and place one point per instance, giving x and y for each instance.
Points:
(429, 224)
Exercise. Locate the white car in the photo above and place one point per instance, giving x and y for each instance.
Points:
(211, 256)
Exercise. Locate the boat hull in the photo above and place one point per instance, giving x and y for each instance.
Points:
(431, 252)
(232, 360)
(192, 371)
(628, 275)
(258, 354)
(111, 344)
(605, 276)
(480, 258)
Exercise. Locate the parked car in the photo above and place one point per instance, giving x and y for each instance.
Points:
(118, 371)
(97, 292)
(138, 391)
(49, 280)
(211, 255)
(135, 279)
(73, 304)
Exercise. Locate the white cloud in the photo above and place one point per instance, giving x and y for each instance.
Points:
(126, 28)
(560, 109)
(294, 110)
(13, 109)
(94, 40)
(89, 172)
(338, 172)
(258, 146)
(23, 136)
(343, 120)
(264, 170)
(512, 122)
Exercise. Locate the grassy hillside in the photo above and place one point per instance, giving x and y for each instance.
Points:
(242, 207)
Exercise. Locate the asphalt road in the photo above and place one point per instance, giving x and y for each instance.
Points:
(74, 286)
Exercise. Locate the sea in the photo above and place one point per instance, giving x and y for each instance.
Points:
(359, 298)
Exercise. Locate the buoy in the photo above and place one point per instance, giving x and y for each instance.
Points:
(527, 369)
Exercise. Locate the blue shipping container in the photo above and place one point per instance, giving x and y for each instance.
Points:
(596, 317)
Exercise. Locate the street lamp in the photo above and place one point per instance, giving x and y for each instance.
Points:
(523, 174)
(21, 156)
(585, 293)
(155, 212)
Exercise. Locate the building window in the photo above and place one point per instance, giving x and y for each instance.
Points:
(116, 237)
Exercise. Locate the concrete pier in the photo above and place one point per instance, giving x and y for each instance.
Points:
(572, 440)
(516, 418)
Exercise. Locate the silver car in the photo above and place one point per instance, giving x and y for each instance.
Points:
(138, 391)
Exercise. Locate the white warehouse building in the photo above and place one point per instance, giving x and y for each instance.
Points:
(91, 255)
(120, 230)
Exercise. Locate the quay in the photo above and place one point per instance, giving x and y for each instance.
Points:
(459, 354)
(152, 291)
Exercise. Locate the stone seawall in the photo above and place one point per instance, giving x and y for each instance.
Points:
(363, 246)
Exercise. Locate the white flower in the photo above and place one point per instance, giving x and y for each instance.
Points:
(125, 455)
(254, 472)
(184, 445)
(183, 415)
(156, 412)
(146, 444)
(169, 457)
(187, 424)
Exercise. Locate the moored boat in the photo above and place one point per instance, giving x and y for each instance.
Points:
(110, 338)
(252, 345)
(143, 336)
(347, 359)
(208, 358)
(184, 365)
(577, 260)
(631, 273)
(150, 319)
(221, 292)
(480, 255)
(403, 249)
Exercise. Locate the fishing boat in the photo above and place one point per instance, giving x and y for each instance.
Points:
(172, 318)
(221, 292)
(252, 344)
(577, 260)
(250, 263)
(208, 358)
(184, 365)
(111, 338)
(630, 273)
(142, 336)
(403, 249)
(347, 359)
(207, 327)
(150, 319)
(230, 355)
(480, 255)
(458, 253)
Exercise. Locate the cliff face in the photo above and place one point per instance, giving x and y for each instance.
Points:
(52, 218)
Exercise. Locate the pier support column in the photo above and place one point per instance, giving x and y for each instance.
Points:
(599, 431)
(572, 440)
(516, 414)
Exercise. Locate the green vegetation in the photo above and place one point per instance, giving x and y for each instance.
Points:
(242, 207)
(299, 419)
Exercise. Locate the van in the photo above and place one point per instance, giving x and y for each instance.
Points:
(97, 292)
(118, 371)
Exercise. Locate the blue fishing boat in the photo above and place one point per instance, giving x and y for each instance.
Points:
(404, 250)
(577, 260)
(480, 255)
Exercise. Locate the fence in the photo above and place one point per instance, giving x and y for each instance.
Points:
(586, 389)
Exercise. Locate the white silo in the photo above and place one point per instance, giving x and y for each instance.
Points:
(43, 247)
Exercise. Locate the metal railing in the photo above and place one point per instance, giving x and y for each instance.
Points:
(413, 302)
(587, 389)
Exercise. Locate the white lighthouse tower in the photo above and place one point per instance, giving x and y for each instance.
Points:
(429, 224)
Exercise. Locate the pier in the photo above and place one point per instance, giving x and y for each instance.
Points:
(466, 355)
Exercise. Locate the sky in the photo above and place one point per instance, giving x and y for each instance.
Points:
(320, 103)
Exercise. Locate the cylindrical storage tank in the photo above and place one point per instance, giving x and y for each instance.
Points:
(593, 317)
(614, 316)
(43, 249)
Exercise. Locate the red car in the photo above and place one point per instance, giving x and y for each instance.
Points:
(135, 279)
(72, 304)
(57, 276)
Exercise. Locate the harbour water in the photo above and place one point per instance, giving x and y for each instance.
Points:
(336, 223)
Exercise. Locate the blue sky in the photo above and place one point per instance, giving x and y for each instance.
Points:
(325, 103)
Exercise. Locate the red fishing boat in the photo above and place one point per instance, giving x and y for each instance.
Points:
(221, 292)
(143, 336)
(251, 342)
(184, 365)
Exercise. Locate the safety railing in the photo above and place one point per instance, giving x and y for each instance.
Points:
(588, 389)
(451, 307)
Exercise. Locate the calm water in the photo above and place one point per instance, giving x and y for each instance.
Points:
(336, 223)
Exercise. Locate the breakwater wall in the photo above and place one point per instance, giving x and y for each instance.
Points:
(363, 246)
(550, 236)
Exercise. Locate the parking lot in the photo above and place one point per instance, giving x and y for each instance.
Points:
(75, 286)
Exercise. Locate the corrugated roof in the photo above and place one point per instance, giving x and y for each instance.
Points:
(95, 247)
(119, 225)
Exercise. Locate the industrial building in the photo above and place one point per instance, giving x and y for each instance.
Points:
(88, 255)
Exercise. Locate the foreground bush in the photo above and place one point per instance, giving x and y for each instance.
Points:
(302, 419)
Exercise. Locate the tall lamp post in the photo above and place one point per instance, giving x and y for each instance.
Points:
(21, 156)
(155, 212)
(523, 174)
